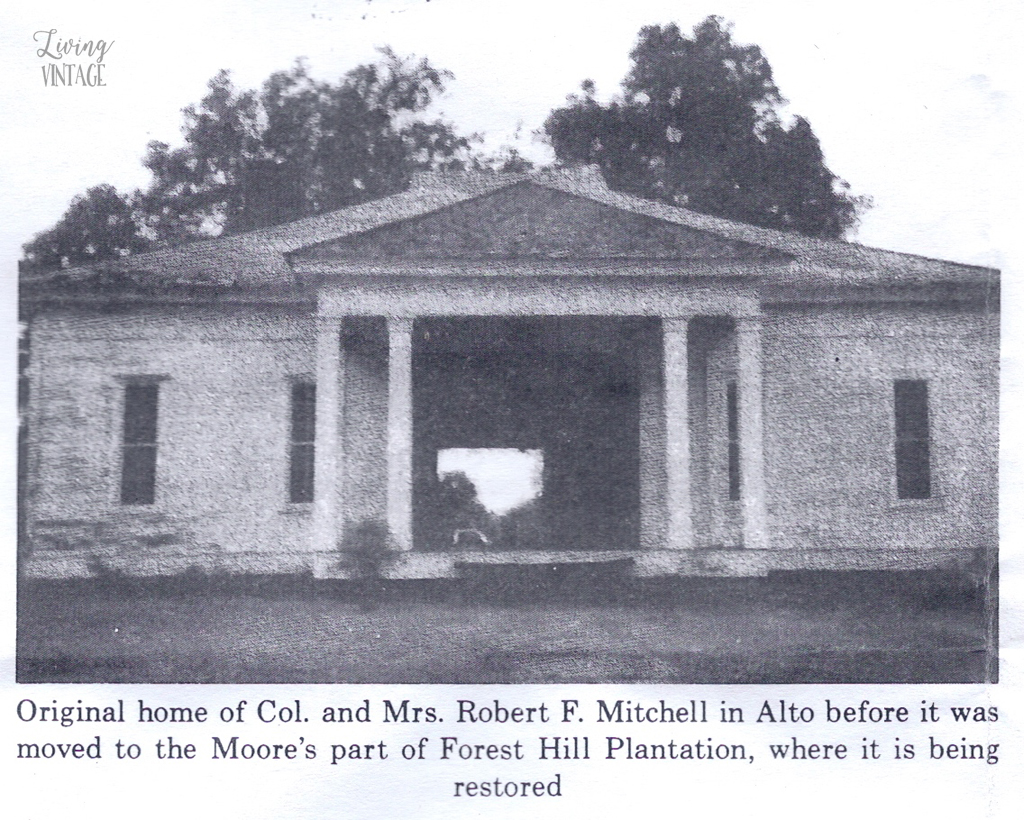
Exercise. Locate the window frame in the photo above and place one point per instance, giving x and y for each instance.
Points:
(306, 446)
(904, 439)
(734, 464)
(126, 383)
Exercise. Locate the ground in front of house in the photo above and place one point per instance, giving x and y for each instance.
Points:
(548, 624)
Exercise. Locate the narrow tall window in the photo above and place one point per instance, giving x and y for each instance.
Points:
(300, 479)
(138, 444)
(732, 412)
(913, 459)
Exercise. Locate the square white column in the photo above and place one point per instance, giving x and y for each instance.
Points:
(400, 432)
(679, 504)
(650, 354)
(327, 444)
(751, 433)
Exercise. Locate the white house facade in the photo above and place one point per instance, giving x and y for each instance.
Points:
(704, 397)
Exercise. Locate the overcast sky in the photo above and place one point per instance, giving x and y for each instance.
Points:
(914, 110)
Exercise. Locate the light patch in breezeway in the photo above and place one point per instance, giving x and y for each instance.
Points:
(505, 478)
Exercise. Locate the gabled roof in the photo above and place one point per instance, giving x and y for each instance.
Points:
(262, 259)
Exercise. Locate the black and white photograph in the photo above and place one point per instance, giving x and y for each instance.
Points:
(657, 348)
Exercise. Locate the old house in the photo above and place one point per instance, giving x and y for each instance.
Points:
(688, 394)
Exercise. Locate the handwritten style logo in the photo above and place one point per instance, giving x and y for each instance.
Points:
(60, 73)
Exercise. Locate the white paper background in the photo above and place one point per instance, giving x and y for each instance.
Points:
(916, 104)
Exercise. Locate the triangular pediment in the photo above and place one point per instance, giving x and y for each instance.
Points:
(533, 221)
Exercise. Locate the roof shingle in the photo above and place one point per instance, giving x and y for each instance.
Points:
(260, 259)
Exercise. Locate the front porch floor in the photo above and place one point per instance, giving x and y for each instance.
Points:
(415, 564)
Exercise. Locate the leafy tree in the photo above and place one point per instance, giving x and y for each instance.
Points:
(294, 148)
(799, 186)
(198, 186)
(698, 124)
(506, 160)
(99, 225)
(298, 147)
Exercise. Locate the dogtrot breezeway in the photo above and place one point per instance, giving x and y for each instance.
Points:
(641, 437)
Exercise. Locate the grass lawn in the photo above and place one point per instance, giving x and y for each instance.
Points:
(540, 626)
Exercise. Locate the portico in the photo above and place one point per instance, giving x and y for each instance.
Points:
(670, 331)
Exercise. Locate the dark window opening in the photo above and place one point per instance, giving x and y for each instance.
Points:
(732, 413)
(303, 435)
(138, 447)
(913, 458)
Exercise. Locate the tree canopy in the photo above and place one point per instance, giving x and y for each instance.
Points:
(295, 148)
(98, 225)
(298, 147)
(698, 123)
